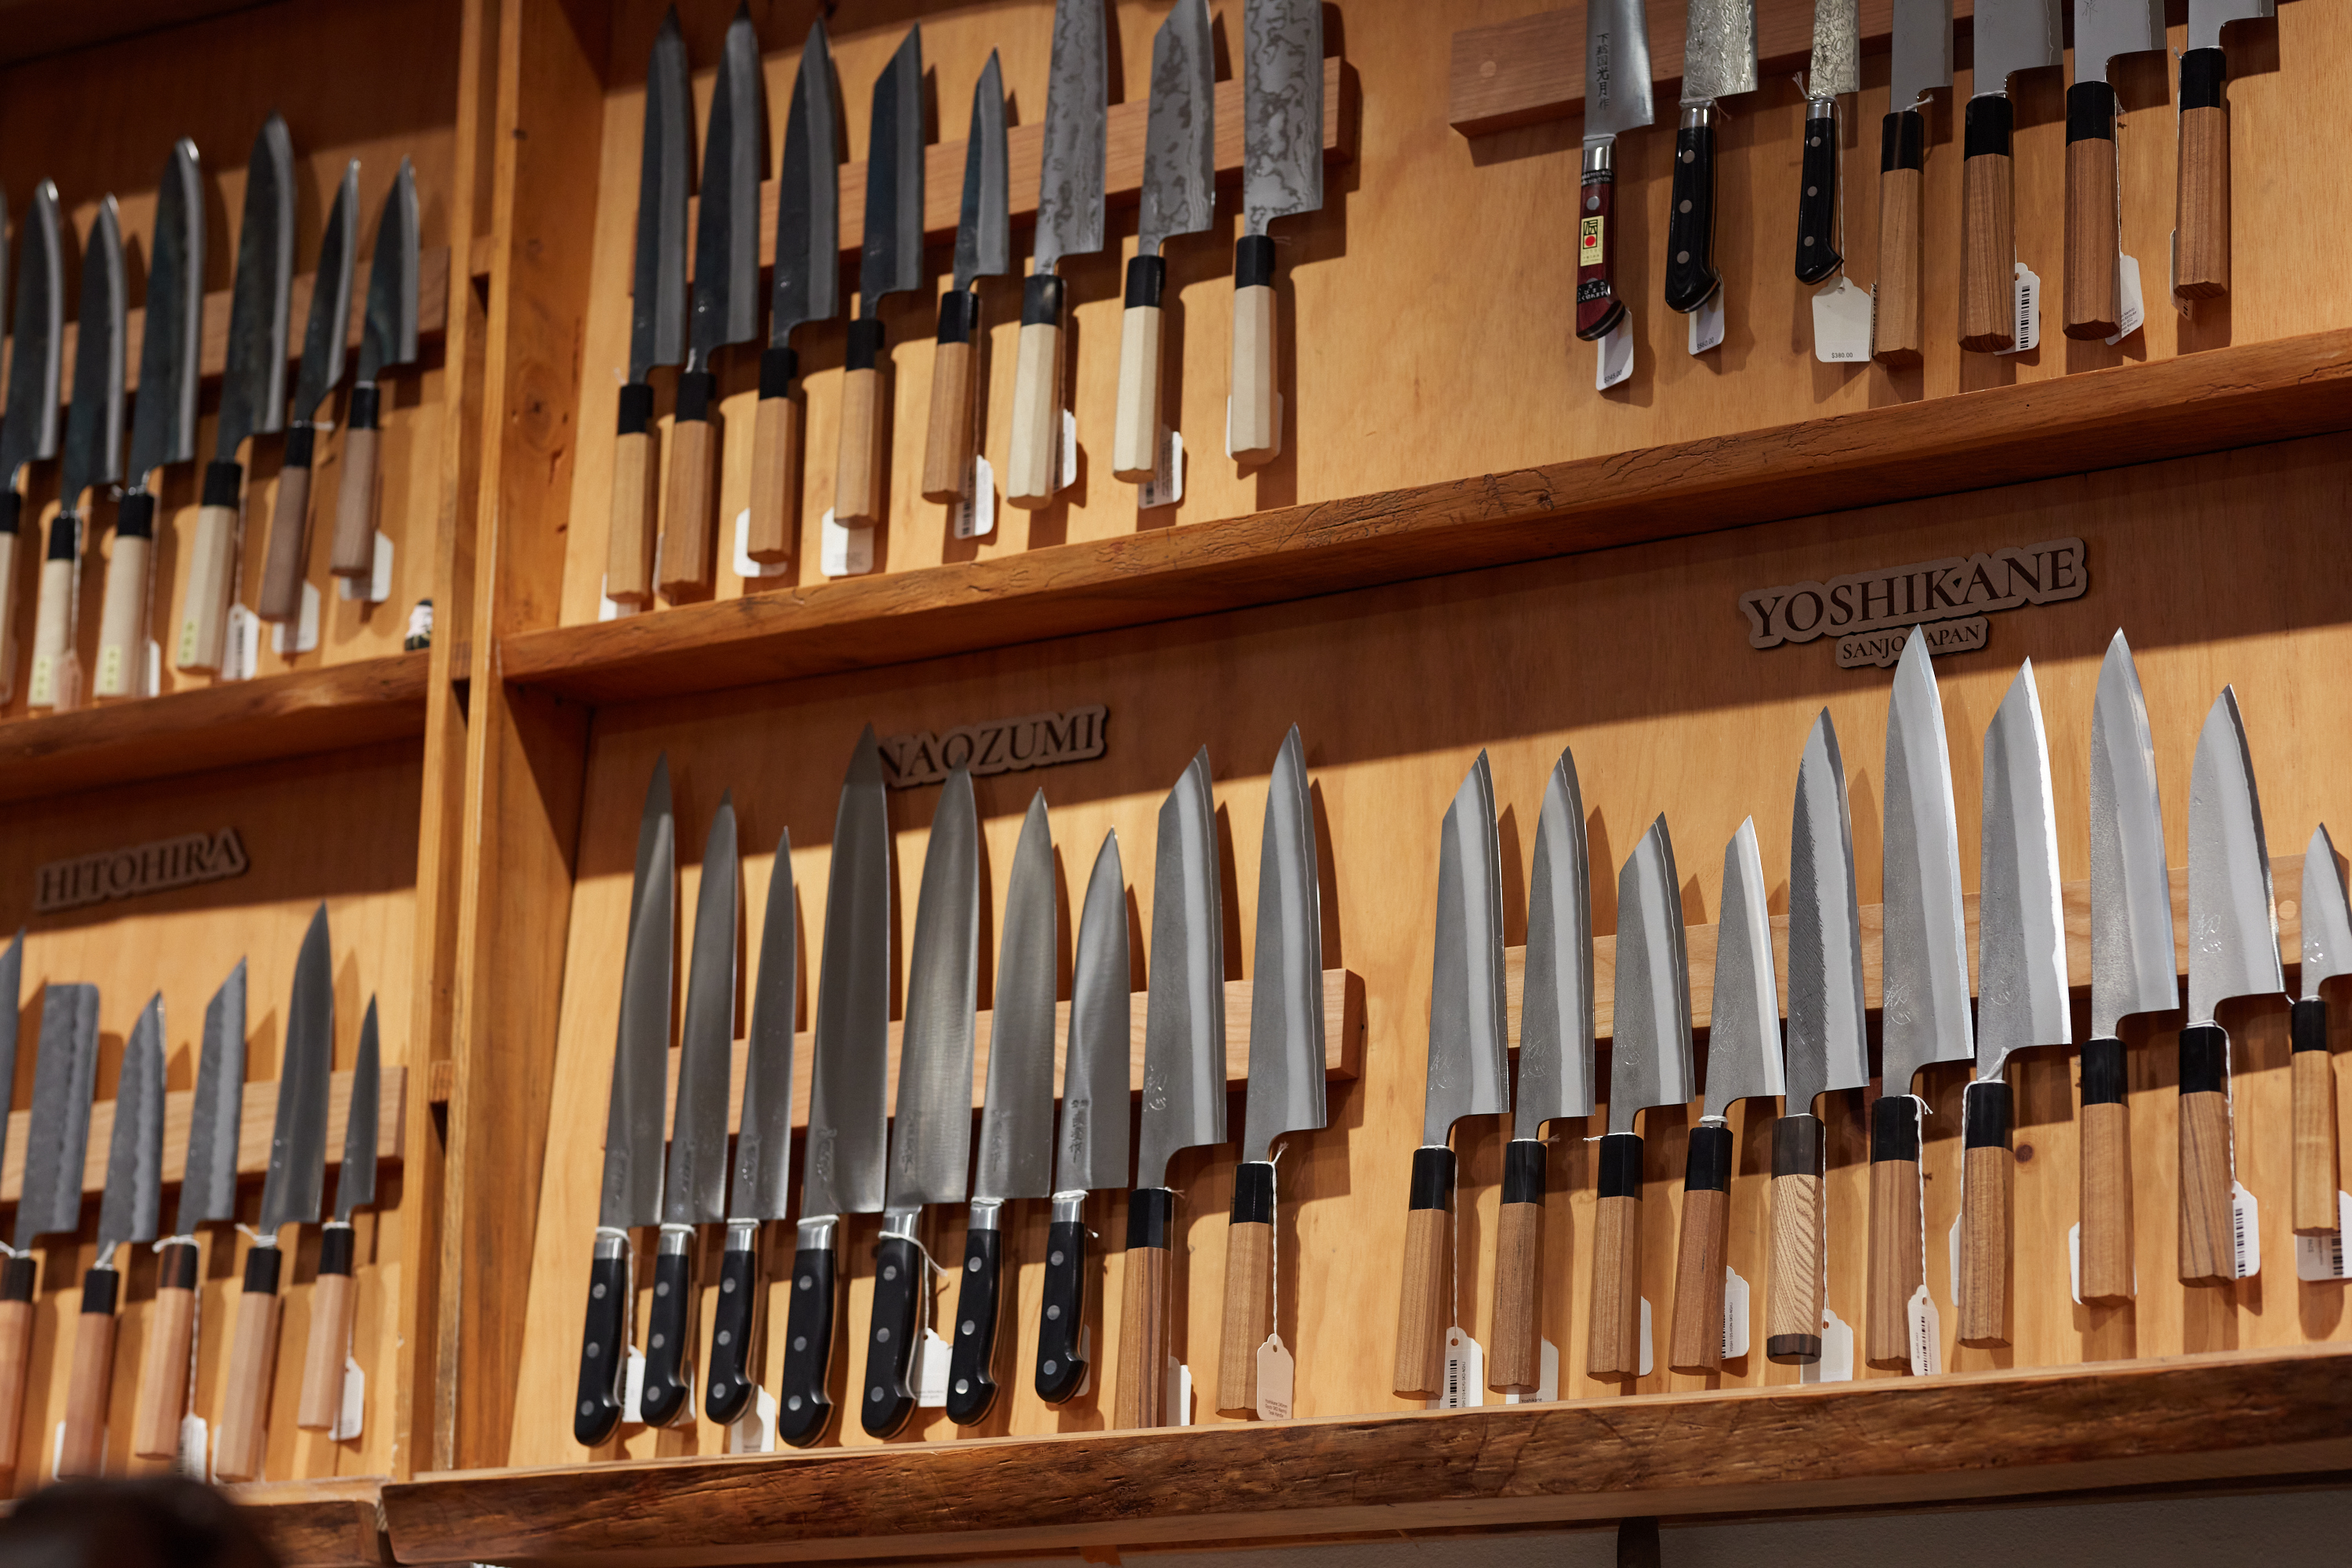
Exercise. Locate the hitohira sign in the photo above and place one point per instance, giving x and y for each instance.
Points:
(142, 868)
(1870, 614)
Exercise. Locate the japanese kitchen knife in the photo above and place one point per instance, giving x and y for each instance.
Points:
(1743, 1062)
(930, 1141)
(290, 1195)
(252, 395)
(162, 421)
(984, 248)
(1828, 1048)
(58, 1140)
(1922, 62)
(1467, 1075)
(1616, 100)
(1090, 1149)
(93, 458)
(1286, 1073)
(387, 343)
(28, 432)
(322, 367)
(807, 289)
(2104, 31)
(2021, 991)
(1183, 1080)
(1282, 175)
(842, 1160)
(2232, 952)
(1016, 1122)
(694, 1184)
(891, 262)
(1178, 195)
(2012, 36)
(1069, 222)
(1555, 1071)
(1834, 72)
(1650, 1065)
(2200, 258)
(2327, 953)
(128, 1215)
(724, 308)
(1925, 1006)
(1719, 61)
(656, 315)
(632, 1183)
(320, 1406)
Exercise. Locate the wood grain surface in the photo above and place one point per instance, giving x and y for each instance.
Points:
(1695, 1341)
(1986, 1242)
(2105, 1133)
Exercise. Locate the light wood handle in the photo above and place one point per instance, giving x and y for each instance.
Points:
(1987, 1175)
(2105, 1244)
(243, 1438)
(1135, 441)
(1142, 1399)
(1897, 1257)
(280, 600)
(1792, 1300)
(1255, 434)
(1514, 1340)
(357, 497)
(8, 606)
(689, 520)
(2313, 1086)
(1033, 467)
(775, 460)
(1695, 1342)
(90, 1382)
(1897, 337)
(857, 476)
(321, 1402)
(629, 547)
(947, 444)
(52, 682)
(1987, 231)
(15, 1364)
(2094, 298)
(2208, 1220)
(123, 623)
(1425, 1304)
(1613, 1349)
(1248, 1316)
(212, 575)
(2200, 262)
(163, 1361)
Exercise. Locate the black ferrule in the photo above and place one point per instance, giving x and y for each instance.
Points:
(1150, 1215)
(1894, 1129)
(1432, 1177)
(178, 1270)
(1903, 141)
(12, 506)
(636, 408)
(2204, 1059)
(694, 389)
(16, 1279)
(337, 1245)
(65, 537)
(1254, 1193)
(135, 517)
(1797, 1146)
(301, 440)
(1146, 277)
(366, 407)
(98, 1290)
(261, 1267)
(1621, 1165)
(1041, 301)
(2310, 1025)
(2106, 1079)
(2202, 72)
(1254, 261)
(864, 349)
(1987, 1115)
(225, 483)
(1987, 126)
(1708, 1169)
(777, 368)
(959, 315)
(1524, 1166)
(2090, 113)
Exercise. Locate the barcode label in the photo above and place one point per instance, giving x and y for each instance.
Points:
(2246, 1230)
(1735, 1315)
(2321, 1258)
(2029, 311)
(1926, 1334)
(1464, 1381)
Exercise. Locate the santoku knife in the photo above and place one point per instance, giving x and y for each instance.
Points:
(1178, 195)
(2327, 953)
(891, 262)
(807, 288)
(93, 458)
(2012, 36)
(58, 1144)
(128, 1215)
(2104, 31)
(2200, 256)
(657, 314)
(1616, 100)
(984, 248)
(387, 343)
(332, 1295)
(1922, 62)
(1282, 175)
(28, 432)
(1069, 222)
(1834, 72)
(322, 366)
(1719, 61)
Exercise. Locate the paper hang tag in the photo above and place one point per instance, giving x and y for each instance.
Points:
(58, 1449)
(1166, 485)
(376, 586)
(932, 1371)
(1953, 1258)
(754, 1431)
(2320, 1258)
(745, 567)
(349, 1418)
(305, 627)
(1277, 428)
(611, 609)
(1706, 325)
(1546, 1388)
(2246, 1230)
(1276, 1372)
(975, 510)
(1836, 1364)
(2074, 1260)
(1735, 1315)
(1648, 1361)
(1843, 320)
(1926, 1334)
(843, 552)
(195, 1449)
(1066, 452)
(154, 669)
(2133, 309)
(240, 644)
(633, 1388)
(1612, 359)
(1180, 1393)
(2028, 300)
(1464, 1384)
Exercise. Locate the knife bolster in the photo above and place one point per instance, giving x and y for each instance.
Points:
(261, 1266)
(1254, 1193)
(1707, 1168)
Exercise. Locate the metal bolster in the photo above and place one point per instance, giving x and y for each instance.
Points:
(898, 1225)
(610, 1243)
(1697, 116)
(815, 1233)
(675, 1240)
(982, 1213)
(1821, 109)
(743, 1236)
(1070, 1207)
(1600, 157)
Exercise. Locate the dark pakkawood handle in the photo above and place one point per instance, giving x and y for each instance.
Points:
(1988, 228)
(972, 1357)
(1817, 196)
(1598, 307)
(1696, 1341)
(2200, 260)
(2313, 1088)
(730, 1383)
(2208, 1217)
(1061, 1370)
(1792, 1290)
(1898, 1261)
(1514, 1354)
(669, 1335)
(1987, 1183)
(1691, 276)
(889, 1402)
(1425, 1307)
(2105, 1245)
(604, 1351)
(803, 1408)
(1613, 1349)
(2094, 294)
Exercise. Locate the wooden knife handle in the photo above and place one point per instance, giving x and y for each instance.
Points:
(1987, 1175)
(1817, 258)
(1614, 1348)
(2093, 302)
(11, 510)
(1253, 424)
(212, 572)
(1514, 1352)
(1794, 1280)
(1898, 1259)
(2314, 1090)
(53, 682)
(803, 1396)
(690, 518)
(1691, 276)
(289, 522)
(775, 460)
(353, 553)
(92, 1381)
(1988, 229)
(123, 623)
(629, 546)
(734, 1374)
(332, 1301)
(1249, 1288)
(1135, 444)
(163, 1361)
(857, 476)
(1062, 1371)
(1143, 1312)
(2106, 1243)
(1426, 1308)
(1897, 337)
(243, 1439)
(17, 1278)
(2208, 1216)
(666, 1398)
(1033, 468)
(955, 358)
(2200, 263)
(980, 1300)
(1695, 1345)
(887, 1403)
(1598, 307)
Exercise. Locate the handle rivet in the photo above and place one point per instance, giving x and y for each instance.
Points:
(1055, 1258)
(658, 1342)
(800, 1341)
(725, 1338)
(727, 1287)
(1052, 1367)
(968, 1325)
(971, 1265)
(587, 1408)
(596, 1292)
(662, 1288)
(806, 1281)
(594, 1349)
(1593, 203)
(1685, 154)
(793, 1403)
(875, 1394)
(1053, 1314)
(890, 1272)
(881, 1336)
(963, 1385)
(1685, 206)
(1682, 257)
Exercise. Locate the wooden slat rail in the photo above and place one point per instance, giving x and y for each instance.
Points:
(331, 1523)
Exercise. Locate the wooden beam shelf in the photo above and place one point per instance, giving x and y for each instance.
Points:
(332, 1523)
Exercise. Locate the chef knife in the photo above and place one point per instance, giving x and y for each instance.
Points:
(1183, 1079)
(1834, 72)
(2232, 952)
(1467, 1075)
(58, 1140)
(1922, 62)
(632, 1182)
(93, 458)
(891, 262)
(128, 1215)
(2012, 36)
(657, 314)
(320, 1406)
(2105, 30)
(1090, 1148)
(1178, 194)
(387, 343)
(1282, 175)
(2327, 953)
(1069, 222)
(807, 289)
(2200, 258)
(984, 248)
(1616, 100)
(1718, 60)
(1016, 1122)
(28, 433)
(322, 367)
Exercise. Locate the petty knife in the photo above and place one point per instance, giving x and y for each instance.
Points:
(984, 248)
(2105, 30)
(387, 343)
(1282, 174)
(1616, 100)
(58, 1139)
(1834, 72)
(28, 433)
(1178, 195)
(332, 1295)
(2012, 36)
(891, 262)
(1718, 60)
(807, 289)
(322, 366)
(128, 1215)
(1922, 62)
(93, 457)
(2200, 256)
(2327, 953)
(1069, 222)
(656, 315)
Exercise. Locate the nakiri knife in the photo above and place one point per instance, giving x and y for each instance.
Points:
(64, 1076)
(1282, 175)
(1617, 99)
(694, 1182)
(1184, 1081)
(842, 1158)
(322, 367)
(1179, 192)
(890, 262)
(1828, 1047)
(931, 1132)
(1467, 1073)
(2021, 991)
(2012, 36)
(1555, 1072)
(1924, 1013)
(2200, 256)
(1069, 222)
(2327, 953)
(1743, 1062)
(127, 1216)
(1285, 1070)
(657, 314)
(807, 288)
(207, 1196)
(93, 458)
(1833, 72)
(2104, 31)
(1719, 61)
(290, 1195)
(1922, 62)
(28, 432)
(253, 392)
(632, 1182)
(1090, 1148)
(387, 343)
(723, 308)
(332, 1295)
(2232, 952)
(1016, 1122)
(163, 420)
(984, 248)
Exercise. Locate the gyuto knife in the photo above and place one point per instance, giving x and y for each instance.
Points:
(1834, 72)
(1922, 62)
(724, 308)
(631, 1182)
(93, 458)
(290, 1195)
(387, 343)
(1016, 1122)
(1828, 1045)
(2200, 258)
(332, 1295)
(2012, 36)
(807, 289)
(322, 366)
(1616, 100)
(930, 1141)
(2021, 991)
(1178, 195)
(2104, 31)
(1286, 1072)
(28, 433)
(1467, 1073)
(128, 1215)
(656, 316)
(1089, 1150)
(252, 394)
(2232, 952)
(1719, 61)
(58, 1140)
(162, 421)
(1555, 1071)
(1282, 175)
(694, 1184)
(1183, 1080)
(2327, 953)
(984, 248)
(1743, 1062)
(1069, 222)
(891, 262)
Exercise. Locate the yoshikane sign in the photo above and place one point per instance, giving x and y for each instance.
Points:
(1871, 613)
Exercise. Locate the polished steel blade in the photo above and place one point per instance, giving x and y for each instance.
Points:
(1077, 112)
(12, 980)
(633, 1117)
(1090, 1151)
(1467, 1030)
(2014, 35)
(93, 453)
(2106, 28)
(1556, 1004)
(28, 432)
(1925, 1014)
(657, 287)
(331, 299)
(841, 1164)
(1836, 69)
(725, 302)
(297, 1141)
(2022, 918)
(1828, 1045)
(1281, 110)
(1718, 50)
(2208, 17)
(694, 1186)
(2326, 921)
(930, 1141)
(808, 200)
(164, 423)
(1649, 1058)
(2233, 924)
(892, 261)
(2132, 958)
(764, 1148)
(1180, 153)
(984, 246)
(56, 1142)
(1286, 1066)
(355, 1177)
(1617, 91)
(133, 1205)
(388, 337)
(1922, 53)
(1184, 1008)
(253, 386)
(1016, 1124)
(1743, 1042)
(208, 1183)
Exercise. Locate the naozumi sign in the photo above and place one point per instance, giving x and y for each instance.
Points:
(994, 746)
(1872, 613)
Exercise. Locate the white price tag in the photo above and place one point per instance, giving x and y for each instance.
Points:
(2029, 311)
(240, 644)
(932, 1371)
(1735, 1315)
(1180, 1393)
(1843, 313)
(1166, 485)
(1612, 359)
(2134, 309)
(1065, 454)
(1706, 325)
(376, 587)
(745, 567)
(843, 552)
(608, 608)
(2320, 1258)
(1926, 1334)
(754, 1431)
(975, 510)
(194, 1460)
(306, 625)
(58, 1449)
(347, 1420)
(1953, 1241)
(2246, 1230)
(1648, 1361)
(633, 1388)
(1276, 1376)
(1464, 1379)
(1546, 1388)
(1836, 1364)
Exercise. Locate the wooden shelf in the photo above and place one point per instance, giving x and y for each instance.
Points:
(333, 1523)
